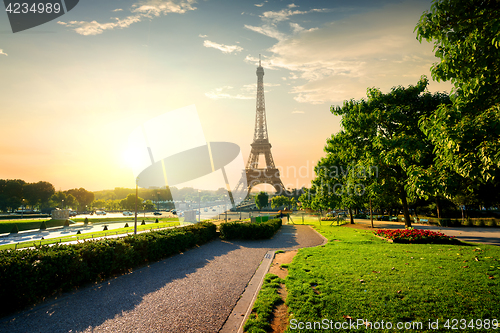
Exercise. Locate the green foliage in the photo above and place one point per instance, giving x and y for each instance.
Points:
(43, 226)
(261, 200)
(129, 202)
(66, 223)
(156, 221)
(86, 221)
(248, 230)
(466, 134)
(282, 200)
(126, 225)
(34, 274)
(105, 228)
(143, 223)
(381, 153)
(6, 227)
(262, 311)
(14, 229)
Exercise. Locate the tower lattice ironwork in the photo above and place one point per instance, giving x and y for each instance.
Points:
(261, 146)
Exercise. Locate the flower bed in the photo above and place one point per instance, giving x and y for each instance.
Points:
(415, 236)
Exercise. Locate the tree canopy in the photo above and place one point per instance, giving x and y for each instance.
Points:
(466, 134)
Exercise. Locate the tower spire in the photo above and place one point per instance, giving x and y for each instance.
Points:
(259, 61)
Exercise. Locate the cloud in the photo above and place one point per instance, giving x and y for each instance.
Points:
(3, 53)
(284, 14)
(271, 19)
(141, 10)
(341, 59)
(163, 7)
(118, 10)
(202, 36)
(222, 47)
(298, 112)
(259, 4)
(96, 28)
(267, 30)
(219, 93)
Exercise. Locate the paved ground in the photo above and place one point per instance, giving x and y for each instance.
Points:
(191, 292)
(468, 234)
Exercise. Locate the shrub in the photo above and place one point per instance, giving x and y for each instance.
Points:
(467, 222)
(35, 274)
(86, 221)
(43, 226)
(105, 228)
(156, 221)
(143, 223)
(126, 225)
(66, 223)
(248, 230)
(15, 229)
(444, 222)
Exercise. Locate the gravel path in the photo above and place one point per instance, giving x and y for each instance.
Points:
(190, 292)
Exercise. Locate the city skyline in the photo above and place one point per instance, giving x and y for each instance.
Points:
(74, 88)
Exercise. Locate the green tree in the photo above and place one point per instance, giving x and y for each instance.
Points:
(383, 132)
(11, 194)
(57, 199)
(149, 205)
(44, 191)
(129, 202)
(282, 200)
(466, 134)
(83, 197)
(261, 200)
(99, 204)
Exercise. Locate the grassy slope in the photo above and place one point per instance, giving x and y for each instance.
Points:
(359, 276)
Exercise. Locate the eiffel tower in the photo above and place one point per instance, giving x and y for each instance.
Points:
(261, 146)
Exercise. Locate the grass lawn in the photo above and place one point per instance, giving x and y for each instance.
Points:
(358, 277)
(6, 226)
(89, 235)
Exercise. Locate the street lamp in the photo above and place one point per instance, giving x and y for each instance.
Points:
(225, 205)
(136, 196)
(199, 205)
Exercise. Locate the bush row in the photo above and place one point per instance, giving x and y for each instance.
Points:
(247, 230)
(8, 226)
(31, 275)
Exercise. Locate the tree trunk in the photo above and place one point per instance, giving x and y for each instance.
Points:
(371, 212)
(350, 215)
(437, 208)
(406, 212)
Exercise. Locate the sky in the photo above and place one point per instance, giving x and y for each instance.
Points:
(73, 89)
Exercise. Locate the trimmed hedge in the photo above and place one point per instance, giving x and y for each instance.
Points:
(29, 276)
(247, 230)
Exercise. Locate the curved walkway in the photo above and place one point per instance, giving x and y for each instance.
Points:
(190, 292)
